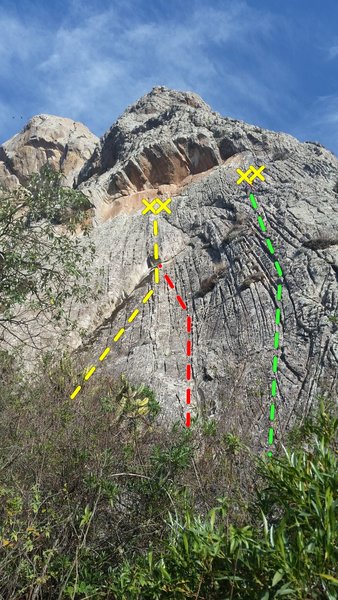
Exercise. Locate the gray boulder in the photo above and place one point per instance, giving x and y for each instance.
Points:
(66, 144)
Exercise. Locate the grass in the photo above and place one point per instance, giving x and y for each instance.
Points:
(98, 500)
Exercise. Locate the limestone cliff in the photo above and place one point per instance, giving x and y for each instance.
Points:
(213, 247)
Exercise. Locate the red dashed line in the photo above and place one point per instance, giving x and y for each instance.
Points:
(188, 351)
(169, 282)
(181, 302)
(188, 372)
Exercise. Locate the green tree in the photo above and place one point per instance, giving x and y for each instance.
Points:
(43, 261)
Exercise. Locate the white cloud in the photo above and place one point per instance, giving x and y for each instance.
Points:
(333, 52)
(325, 110)
(16, 43)
(93, 65)
(7, 115)
(320, 122)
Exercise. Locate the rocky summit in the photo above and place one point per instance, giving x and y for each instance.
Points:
(63, 142)
(259, 276)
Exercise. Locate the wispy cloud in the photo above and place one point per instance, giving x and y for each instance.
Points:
(93, 66)
(320, 122)
(327, 110)
(16, 42)
(91, 60)
(333, 51)
(6, 117)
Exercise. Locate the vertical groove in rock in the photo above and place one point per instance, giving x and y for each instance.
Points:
(170, 144)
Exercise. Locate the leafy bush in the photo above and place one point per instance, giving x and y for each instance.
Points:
(293, 553)
(99, 501)
(42, 263)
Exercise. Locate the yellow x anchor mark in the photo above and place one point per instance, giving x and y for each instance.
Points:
(256, 173)
(151, 205)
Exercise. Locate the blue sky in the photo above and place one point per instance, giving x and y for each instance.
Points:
(269, 62)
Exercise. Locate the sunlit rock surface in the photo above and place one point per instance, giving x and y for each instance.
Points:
(171, 144)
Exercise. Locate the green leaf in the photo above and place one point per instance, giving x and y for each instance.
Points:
(86, 516)
(277, 577)
(329, 577)
(265, 522)
(212, 518)
(284, 590)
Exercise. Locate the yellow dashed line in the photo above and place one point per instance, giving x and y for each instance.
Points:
(146, 298)
(104, 354)
(156, 271)
(118, 335)
(76, 391)
(132, 317)
(90, 373)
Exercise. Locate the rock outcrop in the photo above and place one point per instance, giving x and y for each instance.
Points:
(64, 143)
(161, 143)
(171, 144)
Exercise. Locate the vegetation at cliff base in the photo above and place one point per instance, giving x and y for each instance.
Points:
(102, 499)
(99, 501)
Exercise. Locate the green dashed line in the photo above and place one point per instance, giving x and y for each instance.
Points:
(270, 246)
(253, 201)
(261, 223)
(276, 340)
(277, 316)
(278, 269)
(273, 388)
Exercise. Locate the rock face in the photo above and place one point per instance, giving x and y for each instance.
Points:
(190, 139)
(63, 142)
(214, 248)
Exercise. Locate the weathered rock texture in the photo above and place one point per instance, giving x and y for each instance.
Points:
(211, 245)
(64, 143)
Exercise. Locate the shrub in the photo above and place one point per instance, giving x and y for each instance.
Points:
(98, 500)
